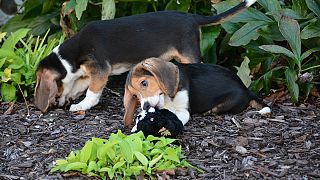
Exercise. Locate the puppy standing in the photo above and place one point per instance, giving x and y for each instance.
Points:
(186, 89)
(111, 47)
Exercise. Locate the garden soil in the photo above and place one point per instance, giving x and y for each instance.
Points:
(284, 145)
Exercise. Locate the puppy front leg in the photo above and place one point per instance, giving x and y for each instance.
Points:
(98, 79)
(79, 87)
(183, 116)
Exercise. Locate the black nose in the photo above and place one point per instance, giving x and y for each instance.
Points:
(146, 106)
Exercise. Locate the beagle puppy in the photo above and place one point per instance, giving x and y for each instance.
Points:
(186, 89)
(111, 47)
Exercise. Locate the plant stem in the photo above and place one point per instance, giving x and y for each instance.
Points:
(317, 66)
(25, 101)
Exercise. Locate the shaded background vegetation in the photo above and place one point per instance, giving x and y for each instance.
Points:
(275, 44)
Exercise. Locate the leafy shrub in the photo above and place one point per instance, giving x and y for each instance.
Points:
(123, 156)
(18, 61)
(267, 35)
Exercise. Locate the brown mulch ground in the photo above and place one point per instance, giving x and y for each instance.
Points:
(285, 145)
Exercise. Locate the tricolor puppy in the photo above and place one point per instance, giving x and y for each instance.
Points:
(186, 89)
(104, 48)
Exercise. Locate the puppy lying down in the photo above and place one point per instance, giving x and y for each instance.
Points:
(158, 122)
(186, 89)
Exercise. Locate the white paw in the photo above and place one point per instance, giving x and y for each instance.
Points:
(265, 111)
(134, 129)
(61, 101)
(78, 107)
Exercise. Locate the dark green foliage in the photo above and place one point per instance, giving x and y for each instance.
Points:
(280, 31)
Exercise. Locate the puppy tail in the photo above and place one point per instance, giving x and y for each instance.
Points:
(257, 103)
(220, 18)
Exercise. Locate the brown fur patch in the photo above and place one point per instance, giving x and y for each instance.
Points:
(173, 53)
(255, 104)
(98, 77)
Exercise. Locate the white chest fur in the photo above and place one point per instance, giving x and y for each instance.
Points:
(179, 105)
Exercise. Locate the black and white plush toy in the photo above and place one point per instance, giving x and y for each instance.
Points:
(158, 122)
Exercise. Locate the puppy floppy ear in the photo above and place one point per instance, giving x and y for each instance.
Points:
(131, 103)
(46, 89)
(165, 73)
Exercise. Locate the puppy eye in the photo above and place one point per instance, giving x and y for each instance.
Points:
(144, 83)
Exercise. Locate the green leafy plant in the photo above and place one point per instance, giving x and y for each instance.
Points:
(268, 33)
(123, 156)
(18, 61)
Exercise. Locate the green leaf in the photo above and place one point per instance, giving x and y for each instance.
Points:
(314, 6)
(271, 31)
(267, 80)
(72, 157)
(108, 9)
(249, 14)
(155, 151)
(277, 49)
(15, 23)
(155, 160)
(300, 7)
(171, 154)
(47, 6)
(9, 54)
(271, 6)
(126, 151)
(92, 166)
(290, 30)
(311, 30)
(291, 79)
(6, 75)
(80, 7)
(142, 158)
(292, 14)
(87, 152)
(109, 170)
(246, 33)
(76, 166)
(208, 36)
(179, 5)
(2, 35)
(309, 52)
(118, 164)
(61, 161)
(14, 37)
(244, 72)
(16, 77)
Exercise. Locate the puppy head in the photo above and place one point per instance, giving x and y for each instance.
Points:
(148, 82)
(46, 88)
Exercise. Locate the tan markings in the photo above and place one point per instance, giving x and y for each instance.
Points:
(255, 104)
(151, 90)
(98, 77)
(97, 82)
(172, 53)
